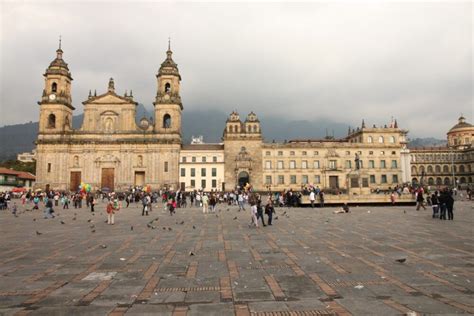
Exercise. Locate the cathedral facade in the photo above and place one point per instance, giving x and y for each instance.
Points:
(110, 150)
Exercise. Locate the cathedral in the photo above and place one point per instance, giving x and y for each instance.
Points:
(112, 151)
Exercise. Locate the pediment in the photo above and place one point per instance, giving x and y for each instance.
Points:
(109, 98)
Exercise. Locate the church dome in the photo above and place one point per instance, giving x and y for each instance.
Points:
(462, 124)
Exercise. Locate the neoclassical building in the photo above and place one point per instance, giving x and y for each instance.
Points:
(449, 165)
(110, 150)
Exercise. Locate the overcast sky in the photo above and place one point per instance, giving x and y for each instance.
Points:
(341, 61)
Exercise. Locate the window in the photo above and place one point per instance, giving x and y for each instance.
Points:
(383, 179)
(361, 164)
(193, 159)
(371, 164)
(280, 153)
(214, 172)
(394, 164)
(382, 164)
(214, 183)
(268, 164)
(392, 139)
(304, 164)
(332, 164)
(214, 159)
(280, 164)
(394, 178)
(203, 172)
(167, 87)
(371, 152)
(292, 164)
(268, 179)
(370, 139)
(166, 166)
(317, 179)
(348, 153)
(193, 172)
(304, 153)
(292, 153)
(348, 164)
(166, 121)
(54, 87)
(184, 159)
(292, 179)
(203, 159)
(49, 167)
(304, 179)
(52, 121)
(281, 179)
(193, 183)
(382, 153)
(381, 140)
(316, 164)
(372, 178)
(203, 183)
(316, 153)
(394, 152)
(183, 172)
(267, 153)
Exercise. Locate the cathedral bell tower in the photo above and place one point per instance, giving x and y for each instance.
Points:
(168, 104)
(55, 105)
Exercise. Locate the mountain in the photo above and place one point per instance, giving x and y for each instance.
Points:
(19, 138)
(426, 142)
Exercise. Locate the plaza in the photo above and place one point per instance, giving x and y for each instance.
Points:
(309, 262)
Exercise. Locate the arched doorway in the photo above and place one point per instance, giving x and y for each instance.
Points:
(243, 179)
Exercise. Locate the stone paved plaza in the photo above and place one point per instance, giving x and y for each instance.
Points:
(310, 262)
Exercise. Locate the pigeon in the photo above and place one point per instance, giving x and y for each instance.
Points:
(164, 228)
(74, 218)
(284, 213)
(148, 225)
(404, 211)
(92, 226)
(228, 209)
(38, 233)
(93, 231)
(276, 217)
(34, 219)
(235, 218)
(401, 260)
(191, 253)
(62, 222)
(182, 222)
(153, 227)
(131, 227)
(194, 227)
(89, 220)
(217, 215)
(170, 229)
(103, 246)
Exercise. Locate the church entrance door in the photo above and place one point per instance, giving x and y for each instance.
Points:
(140, 178)
(244, 178)
(75, 181)
(108, 178)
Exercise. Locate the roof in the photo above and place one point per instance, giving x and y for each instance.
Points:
(461, 124)
(19, 174)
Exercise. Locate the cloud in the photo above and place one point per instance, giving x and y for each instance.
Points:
(339, 61)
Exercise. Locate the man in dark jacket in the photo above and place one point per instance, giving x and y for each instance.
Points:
(450, 205)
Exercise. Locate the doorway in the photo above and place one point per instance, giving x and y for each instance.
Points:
(334, 182)
(75, 181)
(244, 178)
(107, 182)
(139, 178)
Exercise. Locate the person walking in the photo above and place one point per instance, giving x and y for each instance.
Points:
(240, 200)
(435, 204)
(420, 200)
(443, 198)
(253, 213)
(450, 205)
(145, 205)
(269, 210)
(212, 203)
(321, 198)
(260, 210)
(205, 203)
(92, 202)
(312, 198)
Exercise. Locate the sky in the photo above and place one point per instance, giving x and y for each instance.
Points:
(340, 61)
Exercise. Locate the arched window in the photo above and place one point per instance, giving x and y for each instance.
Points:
(54, 87)
(392, 139)
(109, 125)
(439, 181)
(445, 168)
(255, 128)
(437, 168)
(455, 169)
(461, 168)
(167, 87)
(413, 170)
(166, 121)
(52, 121)
(470, 179)
(463, 180)
(231, 129)
(446, 181)
(422, 169)
(249, 128)
(430, 181)
(380, 139)
(370, 139)
(430, 169)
